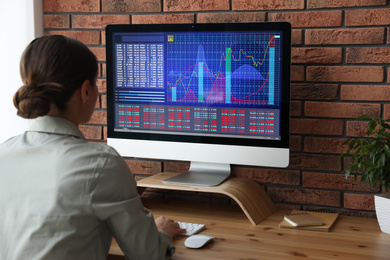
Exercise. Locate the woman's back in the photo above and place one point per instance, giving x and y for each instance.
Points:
(48, 178)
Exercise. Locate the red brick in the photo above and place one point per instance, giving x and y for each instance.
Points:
(99, 102)
(368, 55)
(100, 72)
(128, 6)
(297, 37)
(275, 176)
(170, 166)
(103, 37)
(296, 108)
(195, 5)
(297, 73)
(315, 162)
(91, 132)
(365, 92)
(102, 85)
(386, 111)
(388, 35)
(305, 196)
(268, 4)
(359, 201)
(98, 21)
(144, 167)
(105, 133)
(345, 36)
(86, 37)
(356, 128)
(243, 17)
(295, 143)
(309, 19)
(363, 17)
(103, 101)
(335, 181)
(345, 74)
(388, 75)
(100, 53)
(316, 126)
(97, 105)
(314, 91)
(104, 70)
(316, 55)
(323, 145)
(348, 162)
(163, 18)
(342, 3)
(99, 117)
(359, 128)
(56, 21)
(341, 110)
(71, 6)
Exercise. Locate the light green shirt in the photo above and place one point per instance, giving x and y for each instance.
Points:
(64, 198)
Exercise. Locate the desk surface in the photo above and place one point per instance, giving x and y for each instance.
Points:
(236, 238)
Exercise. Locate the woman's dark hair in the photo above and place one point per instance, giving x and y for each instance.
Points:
(52, 69)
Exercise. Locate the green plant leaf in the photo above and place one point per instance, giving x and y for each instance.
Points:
(364, 117)
(370, 156)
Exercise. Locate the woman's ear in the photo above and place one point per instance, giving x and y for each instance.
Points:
(85, 91)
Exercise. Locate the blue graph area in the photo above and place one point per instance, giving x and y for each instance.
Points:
(224, 68)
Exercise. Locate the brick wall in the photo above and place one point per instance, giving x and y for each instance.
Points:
(340, 70)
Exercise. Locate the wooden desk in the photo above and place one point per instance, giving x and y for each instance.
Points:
(236, 238)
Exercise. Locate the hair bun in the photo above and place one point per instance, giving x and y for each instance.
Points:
(31, 101)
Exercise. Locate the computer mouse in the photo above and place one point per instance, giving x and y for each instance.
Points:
(197, 241)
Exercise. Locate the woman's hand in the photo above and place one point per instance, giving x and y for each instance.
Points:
(168, 226)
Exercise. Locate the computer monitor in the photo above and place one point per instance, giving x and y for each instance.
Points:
(211, 94)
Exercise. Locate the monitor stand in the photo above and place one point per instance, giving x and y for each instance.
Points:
(202, 173)
(248, 194)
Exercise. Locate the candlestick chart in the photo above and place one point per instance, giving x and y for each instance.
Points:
(224, 69)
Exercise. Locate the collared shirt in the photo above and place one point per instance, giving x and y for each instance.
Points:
(64, 198)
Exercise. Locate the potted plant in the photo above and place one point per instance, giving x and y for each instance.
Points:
(370, 158)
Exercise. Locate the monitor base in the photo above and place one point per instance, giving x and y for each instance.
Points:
(201, 173)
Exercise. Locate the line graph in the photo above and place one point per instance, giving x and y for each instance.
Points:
(227, 69)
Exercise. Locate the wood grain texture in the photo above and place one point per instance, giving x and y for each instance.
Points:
(249, 195)
(235, 238)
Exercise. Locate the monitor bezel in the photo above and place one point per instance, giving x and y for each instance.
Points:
(284, 27)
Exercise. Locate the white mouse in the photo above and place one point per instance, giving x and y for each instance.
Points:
(197, 241)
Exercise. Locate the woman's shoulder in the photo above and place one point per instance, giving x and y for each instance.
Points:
(101, 150)
(101, 157)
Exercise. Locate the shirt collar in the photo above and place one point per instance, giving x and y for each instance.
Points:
(55, 125)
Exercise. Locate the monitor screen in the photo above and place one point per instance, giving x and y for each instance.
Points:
(189, 86)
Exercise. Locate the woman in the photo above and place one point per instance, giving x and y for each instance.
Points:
(61, 197)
